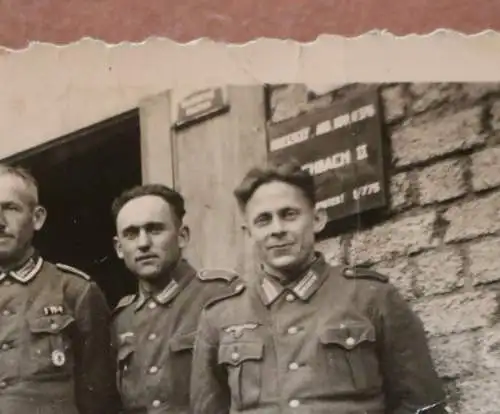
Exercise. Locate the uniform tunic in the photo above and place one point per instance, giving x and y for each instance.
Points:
(334, 342)
(155, 338)
(55, 355)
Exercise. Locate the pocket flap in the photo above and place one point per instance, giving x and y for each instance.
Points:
(50, 324)
(348, 335)
(238, 352)
(125, 351)
(182, 342)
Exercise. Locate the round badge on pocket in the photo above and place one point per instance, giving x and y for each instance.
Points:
(58, 358)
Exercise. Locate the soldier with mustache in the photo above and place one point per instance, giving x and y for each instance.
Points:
(155, 328)
(304, 336)
(55, 354)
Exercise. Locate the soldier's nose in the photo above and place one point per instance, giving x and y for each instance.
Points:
(277, 227)
(143, 241)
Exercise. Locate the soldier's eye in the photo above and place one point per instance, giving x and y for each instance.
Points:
(290, 214)
(261, 220)
(11, 207)
(130, 234)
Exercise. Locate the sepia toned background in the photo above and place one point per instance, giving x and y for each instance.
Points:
(438, 240)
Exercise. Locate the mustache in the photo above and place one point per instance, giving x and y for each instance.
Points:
(146, 256)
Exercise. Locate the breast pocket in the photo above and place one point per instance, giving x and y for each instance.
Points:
(183, 342)
(50, 344)
(179, 364)
(124, 355)
(351, 355)
(243, 361)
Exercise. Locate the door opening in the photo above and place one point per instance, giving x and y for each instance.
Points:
(79, 176)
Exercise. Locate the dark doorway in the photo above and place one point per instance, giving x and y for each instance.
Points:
(79, 175)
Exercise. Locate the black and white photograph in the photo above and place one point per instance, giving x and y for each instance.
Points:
(263, 249)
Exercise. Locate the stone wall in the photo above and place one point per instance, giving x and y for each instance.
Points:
(440, 243)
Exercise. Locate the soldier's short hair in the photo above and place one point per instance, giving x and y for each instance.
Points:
(172, 197)
(25, 176)
(287, 171)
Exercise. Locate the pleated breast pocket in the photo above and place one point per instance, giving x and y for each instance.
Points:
(51, 348)
(243, 362)
(125, 354)
(349, 354)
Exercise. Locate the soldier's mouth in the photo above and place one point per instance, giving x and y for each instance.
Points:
(146, 258)
(280, 246)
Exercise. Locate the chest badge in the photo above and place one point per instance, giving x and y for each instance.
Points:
(237, 330)
(53, 310)
(58, 358)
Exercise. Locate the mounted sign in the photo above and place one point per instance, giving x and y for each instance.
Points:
(200, 105)
(341, 146)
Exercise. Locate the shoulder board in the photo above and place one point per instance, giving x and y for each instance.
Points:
(364, 273)
(217, 274)
(124, 302)
(73, 271)
(237, 290)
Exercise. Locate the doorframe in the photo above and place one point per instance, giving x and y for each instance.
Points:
(74, 137)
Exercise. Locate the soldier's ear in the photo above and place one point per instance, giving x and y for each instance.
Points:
(184, 236)
(320, 219)
(118, 247)
(245, 228)
(39, 217)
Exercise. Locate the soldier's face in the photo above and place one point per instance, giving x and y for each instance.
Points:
(149, 237)
(282, 224)
(19, 218)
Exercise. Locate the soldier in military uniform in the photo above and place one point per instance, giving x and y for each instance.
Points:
(55, 355)
(304, 336)
(155, 328)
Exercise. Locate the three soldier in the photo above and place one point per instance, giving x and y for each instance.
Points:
(298, 336)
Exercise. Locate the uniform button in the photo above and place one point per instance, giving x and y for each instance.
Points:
(3, 384)
(152, 305)
(54, 326)
(152, 336)
(349, 272)
(350, 341)
(239, 287)
(293, 330)
(153, 370)
(156, 403)
(6, 312)
(294, 403)
(235, 356)
(5, 347)
(293, 366)
(290, 297)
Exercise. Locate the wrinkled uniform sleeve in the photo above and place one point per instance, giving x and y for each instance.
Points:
(209, 387)
(95, 372)
(412, 385)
